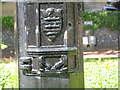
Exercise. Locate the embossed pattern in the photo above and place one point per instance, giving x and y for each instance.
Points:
(51, 22)
(59, 66)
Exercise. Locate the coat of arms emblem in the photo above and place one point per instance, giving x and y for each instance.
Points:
(51, 22)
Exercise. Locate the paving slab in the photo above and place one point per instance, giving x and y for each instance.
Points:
(102, 54)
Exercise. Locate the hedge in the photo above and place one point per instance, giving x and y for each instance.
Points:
(7, 22)
(102, 19)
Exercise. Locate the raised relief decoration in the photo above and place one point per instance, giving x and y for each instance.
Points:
(60, 66)
(44, 66)
(51, 22)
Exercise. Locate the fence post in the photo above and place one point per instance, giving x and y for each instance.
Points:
(50, 44)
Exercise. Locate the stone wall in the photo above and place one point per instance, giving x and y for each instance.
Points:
(8, 39)
(8, 8)
(105, 39)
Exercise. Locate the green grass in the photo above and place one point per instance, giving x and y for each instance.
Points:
(101, 73)
(8, 75)
(98, 73)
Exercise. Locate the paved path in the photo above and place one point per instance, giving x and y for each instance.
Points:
(102, 54)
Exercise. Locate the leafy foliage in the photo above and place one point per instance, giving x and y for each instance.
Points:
(101, 19)
(101, 73)
(2, 45)
(8, 75)
(98, 73)
(7, 21)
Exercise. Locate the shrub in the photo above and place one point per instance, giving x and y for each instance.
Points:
(7, 21)
(2, 45)
(101, 19)
(8, 75)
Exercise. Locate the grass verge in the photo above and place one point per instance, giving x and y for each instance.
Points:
(101, 73)
(8, 75)
(98, 73)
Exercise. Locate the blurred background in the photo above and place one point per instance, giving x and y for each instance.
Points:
(101, 29)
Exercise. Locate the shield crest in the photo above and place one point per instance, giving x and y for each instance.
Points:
(51, 22)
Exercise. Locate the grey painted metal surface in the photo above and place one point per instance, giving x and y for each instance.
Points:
(50, 45)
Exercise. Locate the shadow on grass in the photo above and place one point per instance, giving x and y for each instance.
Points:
(99, 59)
